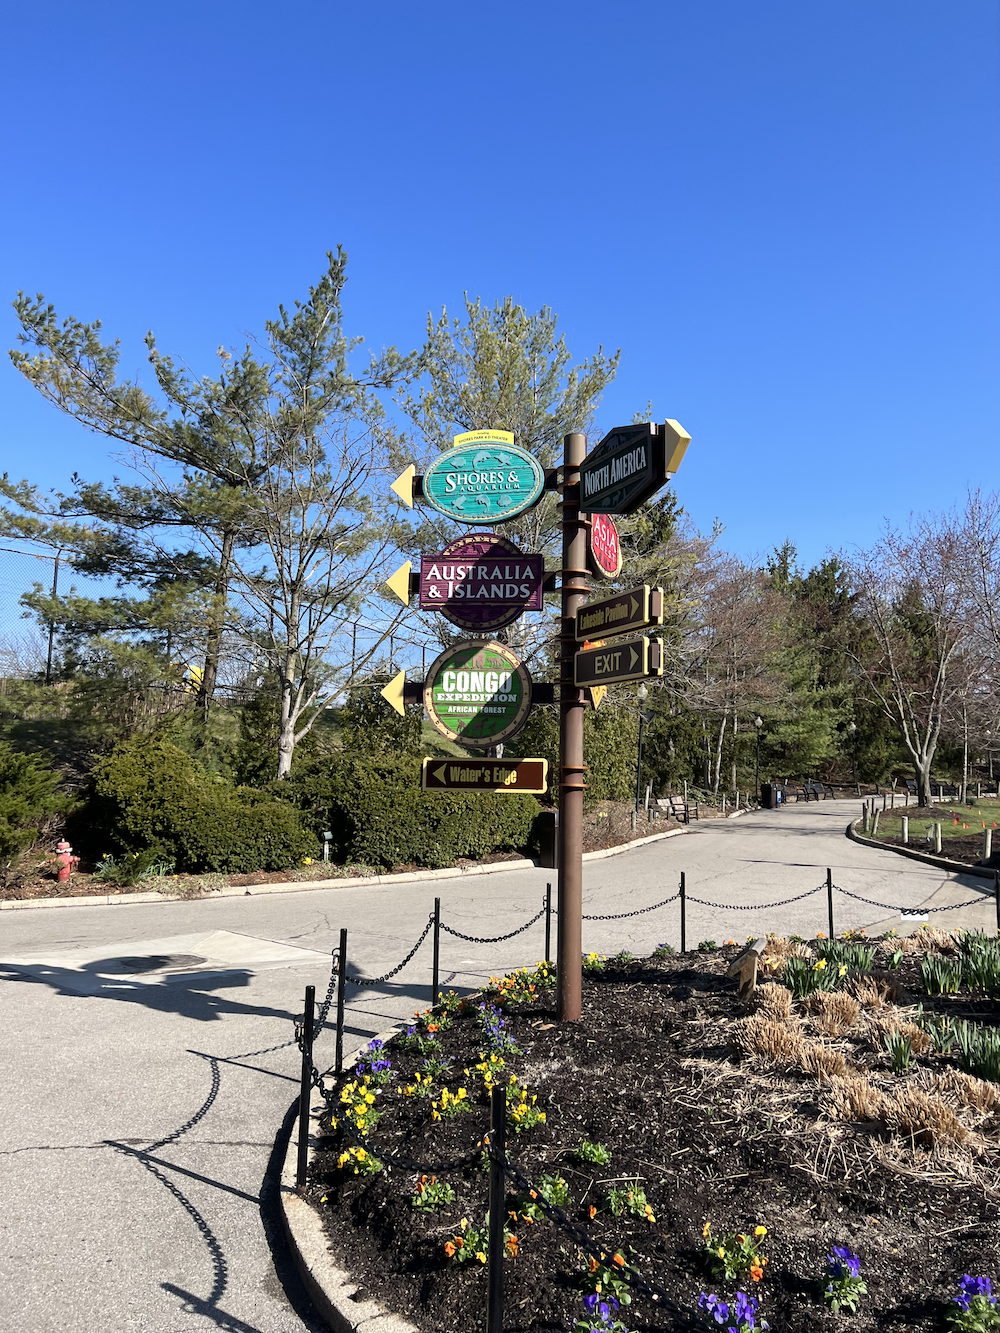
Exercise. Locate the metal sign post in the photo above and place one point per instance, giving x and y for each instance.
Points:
(569, 943)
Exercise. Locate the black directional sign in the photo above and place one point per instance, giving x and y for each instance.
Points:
(516, 775)
(629, 465)
(621, 613)
(622, 660)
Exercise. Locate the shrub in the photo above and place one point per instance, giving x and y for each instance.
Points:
(379, 816)
(151, 796)
(28, 797)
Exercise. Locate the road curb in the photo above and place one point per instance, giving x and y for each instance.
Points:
(332, 1290)
(942, 862)
(308, 885)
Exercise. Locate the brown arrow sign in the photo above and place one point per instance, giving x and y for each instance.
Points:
(625, 611)
(517, 775)
(621, 660)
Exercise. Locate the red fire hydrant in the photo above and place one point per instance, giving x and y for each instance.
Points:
(67, 861)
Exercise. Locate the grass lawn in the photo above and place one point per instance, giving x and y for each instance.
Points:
(957, 821)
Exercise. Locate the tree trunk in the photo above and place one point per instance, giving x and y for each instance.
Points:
(213, 639)
(923, 775)
(717, 774)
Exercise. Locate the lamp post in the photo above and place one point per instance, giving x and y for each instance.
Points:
(642, 694)
(758, 723)
(852, 731)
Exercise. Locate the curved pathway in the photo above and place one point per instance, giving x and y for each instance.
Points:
(140, 1107)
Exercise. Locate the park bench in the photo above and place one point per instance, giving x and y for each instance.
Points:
(677, 808)
(815, 791)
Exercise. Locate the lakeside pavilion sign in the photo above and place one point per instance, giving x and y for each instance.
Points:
(478, 694)
(484, 478)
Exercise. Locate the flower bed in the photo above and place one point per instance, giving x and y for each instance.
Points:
(761, 1165)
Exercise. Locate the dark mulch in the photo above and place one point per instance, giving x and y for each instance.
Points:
(649, 1073)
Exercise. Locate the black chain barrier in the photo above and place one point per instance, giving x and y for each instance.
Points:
(640, 911)
(493, 939)
(892, 907)
(378, 981)
(755, 907)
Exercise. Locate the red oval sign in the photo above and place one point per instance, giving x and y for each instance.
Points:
(604, 548)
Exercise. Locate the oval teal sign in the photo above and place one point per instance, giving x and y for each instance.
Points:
(483, 478)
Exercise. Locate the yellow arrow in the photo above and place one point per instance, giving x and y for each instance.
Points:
(635, 604)
(597, 693)
(400, 583)
(676, 440)
(635, 657)
(439, 773)
(403, 485)
(393, 693)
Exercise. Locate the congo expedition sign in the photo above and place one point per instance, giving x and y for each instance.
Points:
(484, 478)
(478, 694)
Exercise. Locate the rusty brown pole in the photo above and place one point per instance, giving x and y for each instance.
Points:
(569, 947)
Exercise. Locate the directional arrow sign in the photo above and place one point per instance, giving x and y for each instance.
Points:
(515, 775)
(635, 609)
(629, 465)
(399, 583)
(622, 660)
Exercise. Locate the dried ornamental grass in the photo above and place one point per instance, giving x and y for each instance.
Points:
(821, 1061)
(778, 950)
(876, 991)
(909, 1111)
(773, 1001)
(836, 1012)
(967, 1090)
(777, 1043)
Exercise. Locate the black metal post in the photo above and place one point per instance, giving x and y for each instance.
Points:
(683, 914)
(548, 923)
(996, 887)
(435, 978)
(305, 1087)
(829, 898)
(52, 623)
(494, 1290)
(341, 983)
(756, 780)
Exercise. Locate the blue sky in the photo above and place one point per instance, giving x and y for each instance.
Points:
(785, 214)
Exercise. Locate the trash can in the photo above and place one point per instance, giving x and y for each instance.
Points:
(547, 826)
(767, 796)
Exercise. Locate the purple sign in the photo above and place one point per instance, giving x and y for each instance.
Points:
(481, 582)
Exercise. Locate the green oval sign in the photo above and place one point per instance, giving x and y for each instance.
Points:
(477, 693)
(483, 478)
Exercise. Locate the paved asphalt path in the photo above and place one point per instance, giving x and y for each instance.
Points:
(140, 1108)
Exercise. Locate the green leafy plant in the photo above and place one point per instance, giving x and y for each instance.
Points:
(805, 978)
(432, 1194)
(664, 951)
(29, 799)
(522, 1109)
(845, 956)
(844, 1284)
(900, 1048)
(981, 962)
(630, 1199)
(450, 1104)
(593, 962)
(357, 1103)
(607, 1276)
(132, 867)
(940, 1030)
(980, 1048)
(422, 1086)
(620, 959)
(359, 1161)
(594, 1154)
(471, 1244)
(553, 1189)
(976, 1307)
(707, 946)
(940, 976)
(894, 959)
(732, 1254)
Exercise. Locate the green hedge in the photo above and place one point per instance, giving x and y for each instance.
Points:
(28, 797)
(378, 815)
(150, 794)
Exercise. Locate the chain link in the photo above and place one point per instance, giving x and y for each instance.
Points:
(754, 907)
(892, 907)
(494, 939)
(377, 981)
